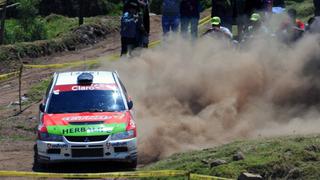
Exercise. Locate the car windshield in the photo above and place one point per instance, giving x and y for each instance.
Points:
(86, 101)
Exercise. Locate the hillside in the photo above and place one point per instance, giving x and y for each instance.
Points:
(294, 157)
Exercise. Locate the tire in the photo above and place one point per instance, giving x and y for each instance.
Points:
(37, 165)
(133, 164)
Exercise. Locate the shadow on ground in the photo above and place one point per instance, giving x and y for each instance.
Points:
(82, 167)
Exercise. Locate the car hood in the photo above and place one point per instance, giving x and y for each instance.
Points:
(86, 124)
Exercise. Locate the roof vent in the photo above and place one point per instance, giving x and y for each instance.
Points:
(85, 79)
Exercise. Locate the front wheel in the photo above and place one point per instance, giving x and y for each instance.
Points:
(37, 165)
(133, 164)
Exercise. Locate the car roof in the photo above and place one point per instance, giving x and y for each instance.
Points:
(99, 77)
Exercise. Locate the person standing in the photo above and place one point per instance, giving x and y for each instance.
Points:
(240, 16)
(316, 7)
(145, 18)
(129, 29)
(170, 15)
(142, 35)
(224, 10)
(190, 14)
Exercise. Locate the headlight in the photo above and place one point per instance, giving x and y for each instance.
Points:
(123, 135)
(44, 136)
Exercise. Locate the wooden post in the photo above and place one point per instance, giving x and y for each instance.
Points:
(3, 18)
(20, 93)
(81, 11)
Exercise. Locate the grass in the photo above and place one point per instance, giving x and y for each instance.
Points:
(271, 158)
(54, 25)
(304, 8)
(36, 92)
(57, 25)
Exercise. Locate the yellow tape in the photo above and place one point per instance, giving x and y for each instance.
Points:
(204, 19)
(8, 75)
(204, 177)
(133, 174)
(72, 64)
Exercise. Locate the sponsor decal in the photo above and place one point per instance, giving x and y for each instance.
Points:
(75, 87)
(119, 116)
(86, 118)
(55, 146)
(87, 130)
(119, 144)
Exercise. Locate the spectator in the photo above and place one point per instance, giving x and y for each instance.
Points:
(170, 15)
(127, 6)
(130, 25)
(144, 13)
(256, 28)
(278, 3)
(240, 16)
(316, 7)
(278, 6)
(252, 6)
(267, 6)
(292, 28)
(190, 14)
(224, 10)
(314, 25)
(218, 31)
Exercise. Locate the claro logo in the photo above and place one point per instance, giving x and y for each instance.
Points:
(94, 87)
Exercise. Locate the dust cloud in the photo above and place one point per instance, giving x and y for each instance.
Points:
(195, 95)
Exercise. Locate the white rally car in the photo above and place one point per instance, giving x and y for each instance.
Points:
(86, 116)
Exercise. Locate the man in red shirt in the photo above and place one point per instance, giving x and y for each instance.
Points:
(293, 28)
(293, 21)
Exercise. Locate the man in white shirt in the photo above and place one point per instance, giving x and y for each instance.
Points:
(218, 31)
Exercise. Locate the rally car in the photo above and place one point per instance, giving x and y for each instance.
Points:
(86, 116)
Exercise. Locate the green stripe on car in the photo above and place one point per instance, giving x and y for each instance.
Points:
(86, 130)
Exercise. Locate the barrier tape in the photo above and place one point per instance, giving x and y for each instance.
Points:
(72, 64)
(202, 22)
(8, 75)
(133, 174)
(205, 177)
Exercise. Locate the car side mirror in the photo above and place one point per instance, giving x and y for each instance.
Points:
(130, 104)
(42, 107)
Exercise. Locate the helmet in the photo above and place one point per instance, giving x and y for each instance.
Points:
(215, 21)
(255, 17)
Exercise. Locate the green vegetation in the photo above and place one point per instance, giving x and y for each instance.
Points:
(27, 26)
(36, 92)
(305, 8)
(285, 157)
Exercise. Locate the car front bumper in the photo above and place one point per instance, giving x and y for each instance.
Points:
(120, 151)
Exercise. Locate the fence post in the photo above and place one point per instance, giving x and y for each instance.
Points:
(20, 77)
